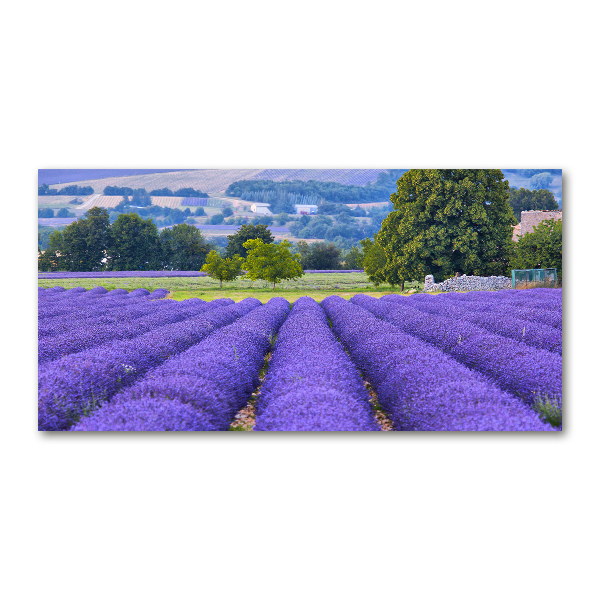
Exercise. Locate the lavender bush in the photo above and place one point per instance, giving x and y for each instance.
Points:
(515, 367)
(214, 378)
(419, 387)
(311, 384)
(75, 385)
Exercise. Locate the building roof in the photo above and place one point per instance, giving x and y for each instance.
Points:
(260, 204)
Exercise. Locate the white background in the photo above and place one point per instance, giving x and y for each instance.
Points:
(311, 84)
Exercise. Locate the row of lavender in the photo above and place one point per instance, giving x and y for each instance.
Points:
(428, 358)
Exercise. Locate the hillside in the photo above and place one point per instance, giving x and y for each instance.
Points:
(215, 181)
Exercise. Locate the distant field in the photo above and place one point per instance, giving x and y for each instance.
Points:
(215, 181)
(316, 285)
(63, 176)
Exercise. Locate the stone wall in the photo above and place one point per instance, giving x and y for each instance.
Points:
(468, 283)
(532, 218)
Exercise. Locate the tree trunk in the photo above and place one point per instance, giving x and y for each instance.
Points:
(220, 283)
(273, 285)
(401, 286)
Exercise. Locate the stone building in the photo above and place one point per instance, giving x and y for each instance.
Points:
(532, 218)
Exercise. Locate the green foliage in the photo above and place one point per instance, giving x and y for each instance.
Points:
(200, 212)
(549, 409)
(374, 260)
(522, 199)
(447, 220)
(70, 190)
(45, 213)
(135, 244)
(217, 219)
(81, 246)
(223, 269)
(64, 213)
(271, 262)
(183, 248)
(354, 258)
(328, 190)
(319, 256)
(245, 233)
(227, 211)
(541, 249)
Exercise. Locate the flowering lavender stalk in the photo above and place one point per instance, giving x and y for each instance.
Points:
(213, 379)
(517, 368)
(418, 385)
(311, 384)
(73, 386)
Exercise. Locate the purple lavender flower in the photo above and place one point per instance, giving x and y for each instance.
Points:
(311, 384)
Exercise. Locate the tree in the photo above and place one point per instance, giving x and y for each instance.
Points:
(320, 256)
(183, 248)
(81, 246)
(227, 211)
(52, 259)
(522, 199)
(216, 219)
(354, 258)
(223, 269)
(45, 213)
(245, 233)
(374, 260)
(200, 212)
(64, 213)
(541, 249)
(447, 220)
(271, 262)
(134, 245)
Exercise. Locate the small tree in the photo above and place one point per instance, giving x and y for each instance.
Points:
(223, 269)
(541, 249)
(354, 258)
(271, 262)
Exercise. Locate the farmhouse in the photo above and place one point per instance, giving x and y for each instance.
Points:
(260, 208)
(306, 209)
(532, 218)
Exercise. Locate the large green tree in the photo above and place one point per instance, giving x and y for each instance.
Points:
(81, 246)
(447, 220)
(245, 233)
(541, 249)
(183, 248)
(135, 244)
(271, 262)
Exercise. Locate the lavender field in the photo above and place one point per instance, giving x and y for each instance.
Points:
(135, 361)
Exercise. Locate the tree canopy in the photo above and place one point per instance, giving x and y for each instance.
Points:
(447, 220)
(223, 269)
(183, 248)
(522, 199)
(245, 233)
(271, 262)
(319, 256)
(134, 245)
(540, 249)
(80, 246)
